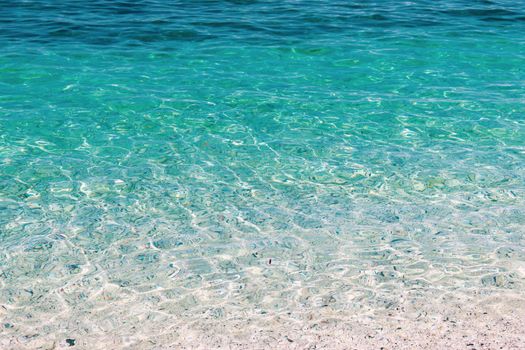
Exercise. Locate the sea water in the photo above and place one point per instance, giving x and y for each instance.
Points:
(222, 166)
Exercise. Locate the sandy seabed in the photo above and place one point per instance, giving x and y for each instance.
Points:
(489, 322)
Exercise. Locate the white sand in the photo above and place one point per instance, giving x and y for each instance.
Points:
(491, 322)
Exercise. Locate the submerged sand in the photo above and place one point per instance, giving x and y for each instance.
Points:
(495, 321)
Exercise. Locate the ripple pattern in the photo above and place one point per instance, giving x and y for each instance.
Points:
(170, 170)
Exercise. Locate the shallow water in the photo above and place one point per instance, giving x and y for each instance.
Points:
(164, 162)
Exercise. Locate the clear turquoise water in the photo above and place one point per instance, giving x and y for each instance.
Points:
(155, 155)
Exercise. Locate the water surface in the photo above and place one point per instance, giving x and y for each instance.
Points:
(170, 164)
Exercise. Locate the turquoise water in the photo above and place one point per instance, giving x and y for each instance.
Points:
(165, 163)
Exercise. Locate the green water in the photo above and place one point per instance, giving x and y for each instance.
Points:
(156, 156)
